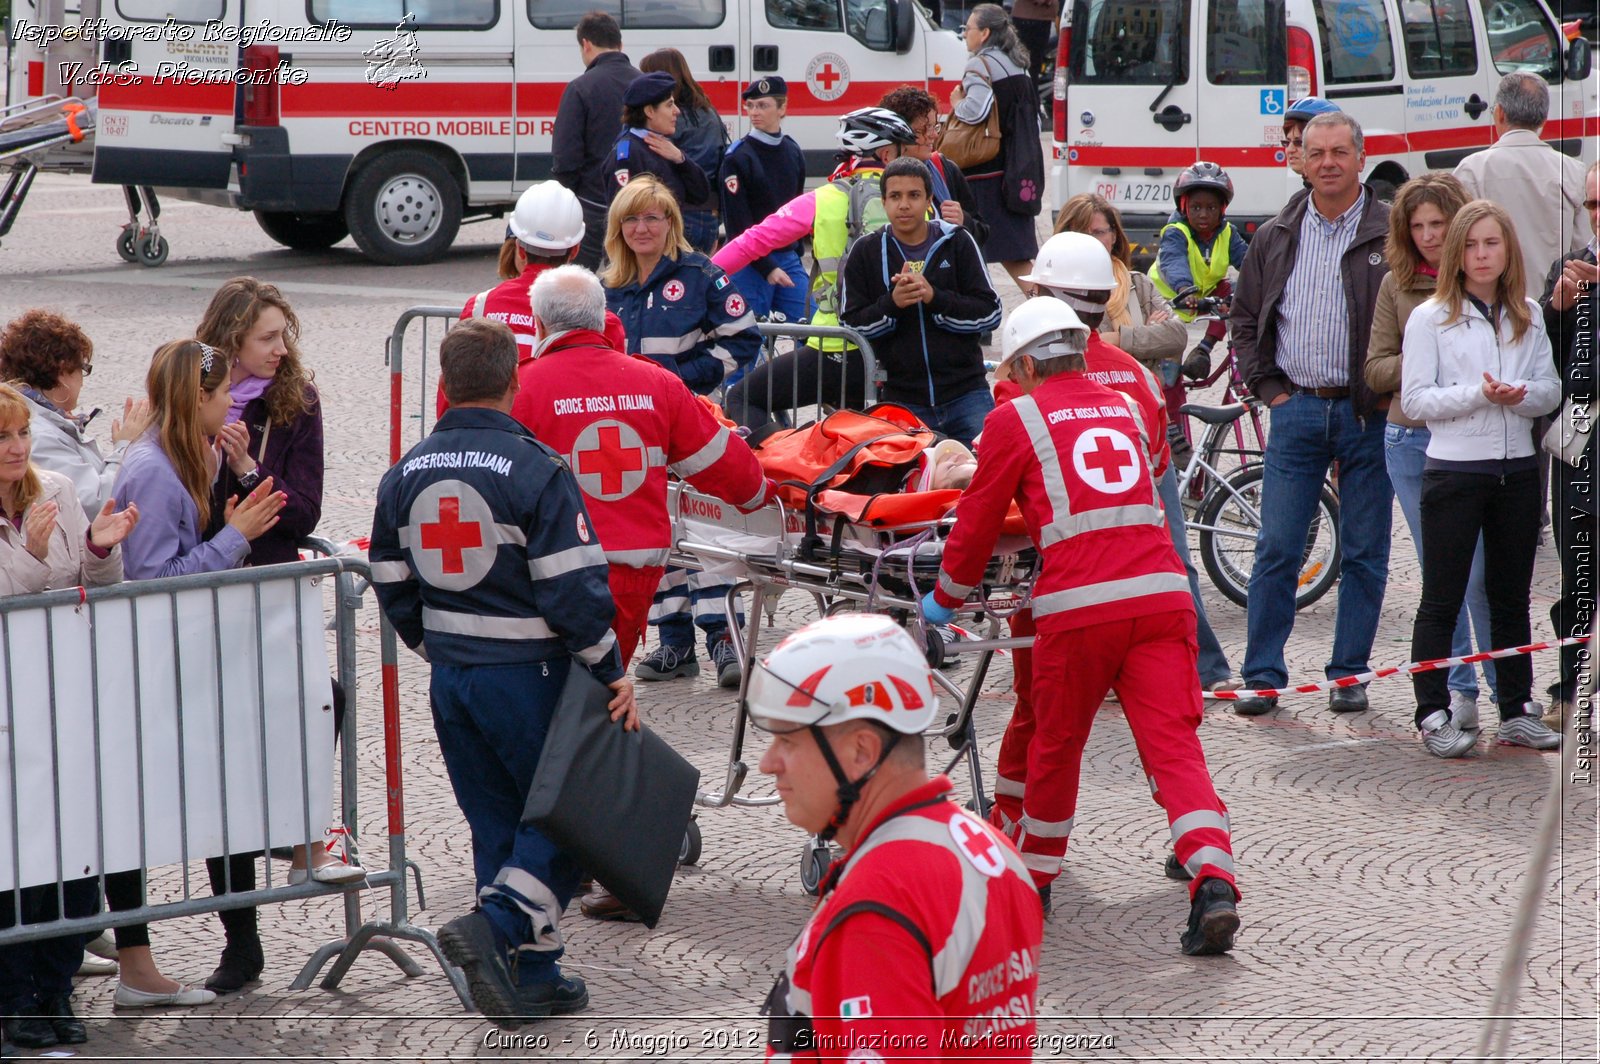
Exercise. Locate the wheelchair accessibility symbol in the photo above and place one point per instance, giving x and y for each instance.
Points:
(1272, 101)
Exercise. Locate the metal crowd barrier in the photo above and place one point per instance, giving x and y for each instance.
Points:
(146, 729)
(780, 381)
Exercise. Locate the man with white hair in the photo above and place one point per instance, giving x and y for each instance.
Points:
(621, 422)
(1541, 188)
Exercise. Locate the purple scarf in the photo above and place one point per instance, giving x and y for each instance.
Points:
(242, 393)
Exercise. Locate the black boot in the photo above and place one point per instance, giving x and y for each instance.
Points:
(29, 1030)
(1213, 918)
(241, 965)
(69, 1030)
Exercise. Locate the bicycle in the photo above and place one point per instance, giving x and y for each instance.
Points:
(1227, 517)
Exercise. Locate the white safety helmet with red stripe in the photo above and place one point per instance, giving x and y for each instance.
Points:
(852, 666)
(1043, 327)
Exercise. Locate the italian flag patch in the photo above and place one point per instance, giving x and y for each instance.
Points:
(857, 1008)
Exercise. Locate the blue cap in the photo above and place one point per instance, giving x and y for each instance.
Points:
(1304, 110)
(772, 85)
(647, 89)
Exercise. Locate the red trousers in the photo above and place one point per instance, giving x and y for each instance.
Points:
(632, 590)
(1150, 663)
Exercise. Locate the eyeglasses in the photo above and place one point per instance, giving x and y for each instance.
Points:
(1102, 233)
(926, 131)
(1294, 142)
(649, 221)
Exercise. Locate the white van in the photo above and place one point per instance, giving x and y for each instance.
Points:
(1146, 87)
(395, 120)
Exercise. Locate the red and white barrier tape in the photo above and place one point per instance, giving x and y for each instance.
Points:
(1412, 667)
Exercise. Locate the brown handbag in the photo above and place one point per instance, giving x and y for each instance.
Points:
(968, 145)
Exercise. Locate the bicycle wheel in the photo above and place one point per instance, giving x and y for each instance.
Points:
(1229, 522)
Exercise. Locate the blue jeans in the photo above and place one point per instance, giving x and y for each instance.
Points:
(961, 418)
(700, 230)
(1404, 452)
(491, 721)
(764, 298)
(1213, 661)
(1307, 435)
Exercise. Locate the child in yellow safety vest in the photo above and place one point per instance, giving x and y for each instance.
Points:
(1194, 254)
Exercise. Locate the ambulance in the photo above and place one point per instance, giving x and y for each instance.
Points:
(1144, 88)
(393, 121)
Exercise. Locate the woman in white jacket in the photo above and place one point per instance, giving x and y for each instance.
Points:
(1478, 370)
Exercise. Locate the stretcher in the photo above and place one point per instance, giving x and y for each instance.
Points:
(844, 564)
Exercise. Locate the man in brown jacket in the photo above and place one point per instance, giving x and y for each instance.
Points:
(1302, 314)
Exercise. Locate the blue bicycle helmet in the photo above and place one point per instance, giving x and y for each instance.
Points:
(1304, 110)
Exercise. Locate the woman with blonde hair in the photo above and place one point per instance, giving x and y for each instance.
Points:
(1418, 220)
(47, 541)
(1477, 370)
(1138, 319)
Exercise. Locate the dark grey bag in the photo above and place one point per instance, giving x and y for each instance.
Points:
(618, 801)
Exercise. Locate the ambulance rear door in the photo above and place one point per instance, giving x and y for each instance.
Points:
(711, 34)
(1523, 36)
(166, 93)
(1361, 72)
(1133, 106)
(1449, 87)
(1243, 73)
(838, 55)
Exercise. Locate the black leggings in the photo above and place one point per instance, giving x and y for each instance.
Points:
(803, 377)
(1456, 507)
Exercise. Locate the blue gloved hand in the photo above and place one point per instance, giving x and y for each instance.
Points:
(934, 613)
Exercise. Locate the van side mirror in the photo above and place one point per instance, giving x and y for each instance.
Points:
(1579, 59)
(903, 19)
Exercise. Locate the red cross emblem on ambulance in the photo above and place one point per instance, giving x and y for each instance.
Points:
(977, 846)
(451, 535)
(1106, 460)
(610, 460)
(672, 291)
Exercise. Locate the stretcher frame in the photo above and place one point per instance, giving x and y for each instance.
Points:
(832, 584)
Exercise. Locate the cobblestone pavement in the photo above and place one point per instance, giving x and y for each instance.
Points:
(1379, 884)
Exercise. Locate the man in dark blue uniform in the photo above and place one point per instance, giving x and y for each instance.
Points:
(761, 171)
(484, 561)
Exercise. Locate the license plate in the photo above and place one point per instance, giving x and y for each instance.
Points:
(1147, 193)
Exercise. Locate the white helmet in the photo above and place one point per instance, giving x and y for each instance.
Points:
(1043, 327)
(1073, 260)
(866, 129)
(852, 666)
(548, 217)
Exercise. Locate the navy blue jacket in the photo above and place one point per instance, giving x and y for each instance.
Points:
(587, 120)
(690, 317)
(757, 179)
(483, 554)
(631, 156)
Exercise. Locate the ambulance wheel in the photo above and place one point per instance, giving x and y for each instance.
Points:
(310, 231)
(404, 208)
(814, 862)
(128, 243)
(153, 250)
(689, 849)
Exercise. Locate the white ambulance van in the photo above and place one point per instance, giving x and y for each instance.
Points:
(395, 120)
(1146, 87)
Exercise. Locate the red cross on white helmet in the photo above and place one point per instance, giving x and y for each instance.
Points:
(853, 666)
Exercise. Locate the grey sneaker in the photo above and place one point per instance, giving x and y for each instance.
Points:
(726, 661)
(668, 663)
(1463, 711)
(1442, 738)
(1528, 731)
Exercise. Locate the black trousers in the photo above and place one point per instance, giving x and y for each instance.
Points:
(1456, 507)
(802, 377)
(43, 968)
(1572, 516)
(593, 248)
(1035, 36)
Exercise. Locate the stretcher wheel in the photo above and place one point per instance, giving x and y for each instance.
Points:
(814, 862)
(153, 250)
(689, 850)
(128, 243)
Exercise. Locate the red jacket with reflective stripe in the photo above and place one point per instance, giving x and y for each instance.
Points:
(1074, 456)
(926, 949)
(1112, 366)
(620, 422)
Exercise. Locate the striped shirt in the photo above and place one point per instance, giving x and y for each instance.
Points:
(1313, 318)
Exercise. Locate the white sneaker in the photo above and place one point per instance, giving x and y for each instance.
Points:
(1442, 738)
(1464, 711)
(92, 965)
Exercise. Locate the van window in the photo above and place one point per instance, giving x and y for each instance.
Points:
(1439, 37)
(1355, 41)
(425, 14)
(1245, 43)
(804, 14)
(630, 14)
(1130, 42)
(1520, 39)
(178, 10)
